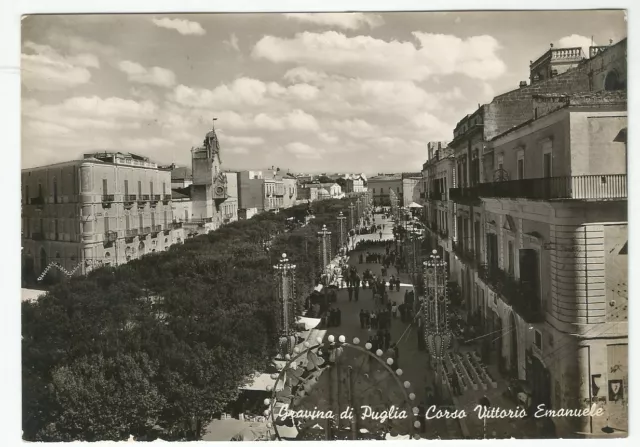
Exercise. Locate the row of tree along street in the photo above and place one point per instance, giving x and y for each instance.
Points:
(158, 346)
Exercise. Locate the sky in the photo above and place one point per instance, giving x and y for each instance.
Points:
(346, 92)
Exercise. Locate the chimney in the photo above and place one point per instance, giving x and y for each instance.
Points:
(523, 84)
(551, 45)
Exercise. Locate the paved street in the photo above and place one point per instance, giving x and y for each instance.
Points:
(415, 363)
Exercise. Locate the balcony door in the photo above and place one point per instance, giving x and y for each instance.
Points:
(530, 275)
(492, 251)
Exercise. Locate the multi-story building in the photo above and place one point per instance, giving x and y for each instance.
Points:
(106, 209)
(290, 190)
(381, 184)
(539, 234)
(181, 177)
(251, 190)
(355, 184)
(411, 184)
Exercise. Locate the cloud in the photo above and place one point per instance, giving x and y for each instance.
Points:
(366, 57)
(300, 120)
(250, 141)
(237, 150)
(44, 68)
(302, 74)
(158, 76)
(575, 40)
(184, 27)
(242, 91)
(350, 21)
(145, 143)
(355, 128)
(92, 113)
(302, 150)
(232, 42)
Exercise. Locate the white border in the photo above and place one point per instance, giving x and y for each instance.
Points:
(10, 12)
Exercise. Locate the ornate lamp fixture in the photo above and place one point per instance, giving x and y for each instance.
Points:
(352, 216)
(342, 230)
(285, 280)
(436, 321)
(324, 247)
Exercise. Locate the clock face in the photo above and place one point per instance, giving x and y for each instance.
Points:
(219, 190)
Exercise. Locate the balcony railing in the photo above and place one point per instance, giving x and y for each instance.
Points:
(131, 233)
(38, 201)
(142, 199)
(144, 231)
(582, 187)
(110, 236)
(107, 199)
(128, 200)
(166, 198)
(523, 296)
(464, 195)
(154, 199)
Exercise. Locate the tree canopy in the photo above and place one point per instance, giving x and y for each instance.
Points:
(164, 342)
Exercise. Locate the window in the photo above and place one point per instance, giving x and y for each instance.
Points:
(500, 161)
(186, 214)
(126, 187)
(126, 222)
(140, 221)
(538, 340)
(151, 188)
(547, 157)
(139, 188)
(520, 165)
(511, 257)
(40, 190)
(106, 224)
(105, 189)
(55, 191)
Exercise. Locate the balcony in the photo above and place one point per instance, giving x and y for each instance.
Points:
(176, 225)
(465, 196)
(128, 200)
(142, 200)
(524, 297)
(144, 231)
(107, 200)
(166, 198)
(443, 233)
(154, 199)
(467, 256)
(155, 229)
(37, 236)
(110, 237)
(38, 202)
(582, 187)
(130, 234)
(167, 229)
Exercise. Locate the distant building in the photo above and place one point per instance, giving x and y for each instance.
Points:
(181, 177)
(411, 183)
(355, 184)
(382, 184)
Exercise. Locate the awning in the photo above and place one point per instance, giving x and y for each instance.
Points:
(415, 205)
(309, 323)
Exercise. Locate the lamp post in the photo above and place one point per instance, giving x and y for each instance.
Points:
(358, 209)
(352, 219)
(285, 281)
(324, 248)
(342, 239)
(437, 334)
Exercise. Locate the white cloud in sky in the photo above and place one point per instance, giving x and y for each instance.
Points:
(233, 42)
(44, 68)
(249, 141)
(367, 57)
(137, 144)
(184, 27)
(575, 40)
(303, 150)
(349, 21)
(158, 76)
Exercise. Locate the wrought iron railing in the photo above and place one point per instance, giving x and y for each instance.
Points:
(176, 225)
(523, 296)
(582, 187)
(39, 201)
(37, 236)
(131, 233)
(110, 236)
(166, 198)
(108, 198)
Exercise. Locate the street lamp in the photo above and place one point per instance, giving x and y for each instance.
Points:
(324, 247)
(285, 281)
(437, 334)
(358, 209)
(342, 230)
(352, 219)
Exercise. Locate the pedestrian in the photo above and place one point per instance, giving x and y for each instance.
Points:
(394, 311)
(381, 235)
(397, 284)
(367, 320)
(361, 318)
(396, 355)
(455, 384)
(350, 291)
(338, 317)
(374, 320)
